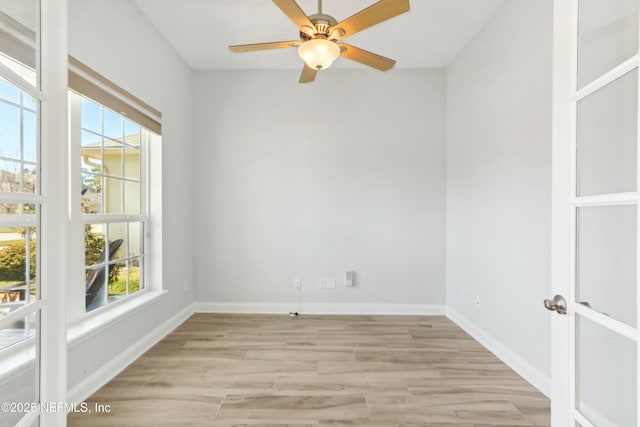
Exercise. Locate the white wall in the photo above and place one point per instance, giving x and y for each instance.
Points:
(309, 180)
(112, 37)
(499, 182)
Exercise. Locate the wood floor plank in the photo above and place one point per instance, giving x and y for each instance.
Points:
(303, 408)
(221, 370)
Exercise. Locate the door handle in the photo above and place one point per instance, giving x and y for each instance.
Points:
(557, 304)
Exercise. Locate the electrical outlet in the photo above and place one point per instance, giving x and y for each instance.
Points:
(297, 282)
(348, 278)
(327, 283)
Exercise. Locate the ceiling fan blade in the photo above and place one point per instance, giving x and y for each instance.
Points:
(263, 46)
(308, 74)
(367, 58)
(296, 15)
(374, 14)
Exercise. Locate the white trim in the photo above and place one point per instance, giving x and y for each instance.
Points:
(126, 98)
(21, 313)
(18, 362)
(584, 422)
(15, 79)
(606, 321)
(599, 420)
(104, 317)
(28, 420)
(531, 374)
(607, 78)
(320, 308)
(11, 221)
(10, 197)
(87, 219)
(563, 185)
(606, 200)
(111, 369)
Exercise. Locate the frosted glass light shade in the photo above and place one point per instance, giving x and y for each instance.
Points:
(319, 53)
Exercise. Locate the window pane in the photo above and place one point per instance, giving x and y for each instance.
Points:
(9, 176)
(132, 197)
(102, 274)
(94, 243)
(136, 238)
(113, 196)
(118, 237)
(96, 289)
(30, 137)
(91, 164)
(91, 116)
(29, 178)
(607, 138)
(131, 133)
(9, 91)
(113, 125)
(19, 331)
(118, 285)
(9, 131)
(608, 36)
(18, 256)
(135, 278)
(91, 198)
(131, 162)
(9, 208)
(605, 375)
(113, 163)
(91, 145)
(606, 260)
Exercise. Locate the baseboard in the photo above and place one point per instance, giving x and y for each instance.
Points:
(116, 365)
(320, 308)
(536, 378)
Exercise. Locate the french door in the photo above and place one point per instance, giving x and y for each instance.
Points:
(595, 257)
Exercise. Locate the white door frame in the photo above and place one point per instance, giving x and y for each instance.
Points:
(564, 39)
(564, 203)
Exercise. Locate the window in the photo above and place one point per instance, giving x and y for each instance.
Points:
(114, 184)
(19, 223)
(21, 103)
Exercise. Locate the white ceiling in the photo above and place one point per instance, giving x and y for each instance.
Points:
(430, 35)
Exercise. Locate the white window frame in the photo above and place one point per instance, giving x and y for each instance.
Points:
(77, 312)
(51, 200)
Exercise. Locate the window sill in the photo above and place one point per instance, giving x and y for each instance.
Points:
(18, 359)
(101, 318)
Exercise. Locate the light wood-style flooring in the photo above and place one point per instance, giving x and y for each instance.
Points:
(268, 370)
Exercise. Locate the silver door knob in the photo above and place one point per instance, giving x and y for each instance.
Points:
(557, 304)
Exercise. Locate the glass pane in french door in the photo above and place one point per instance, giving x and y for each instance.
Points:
(608, 36)
(606, 375)
(607, 138)
(606, 260)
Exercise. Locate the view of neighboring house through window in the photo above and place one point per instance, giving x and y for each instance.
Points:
(113, 201)
(18, 233)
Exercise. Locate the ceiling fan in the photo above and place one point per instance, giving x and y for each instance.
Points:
(320, 36)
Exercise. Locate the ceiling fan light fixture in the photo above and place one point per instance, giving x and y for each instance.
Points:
(319, 54)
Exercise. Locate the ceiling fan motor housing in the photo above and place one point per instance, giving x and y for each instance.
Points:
(322, 24)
